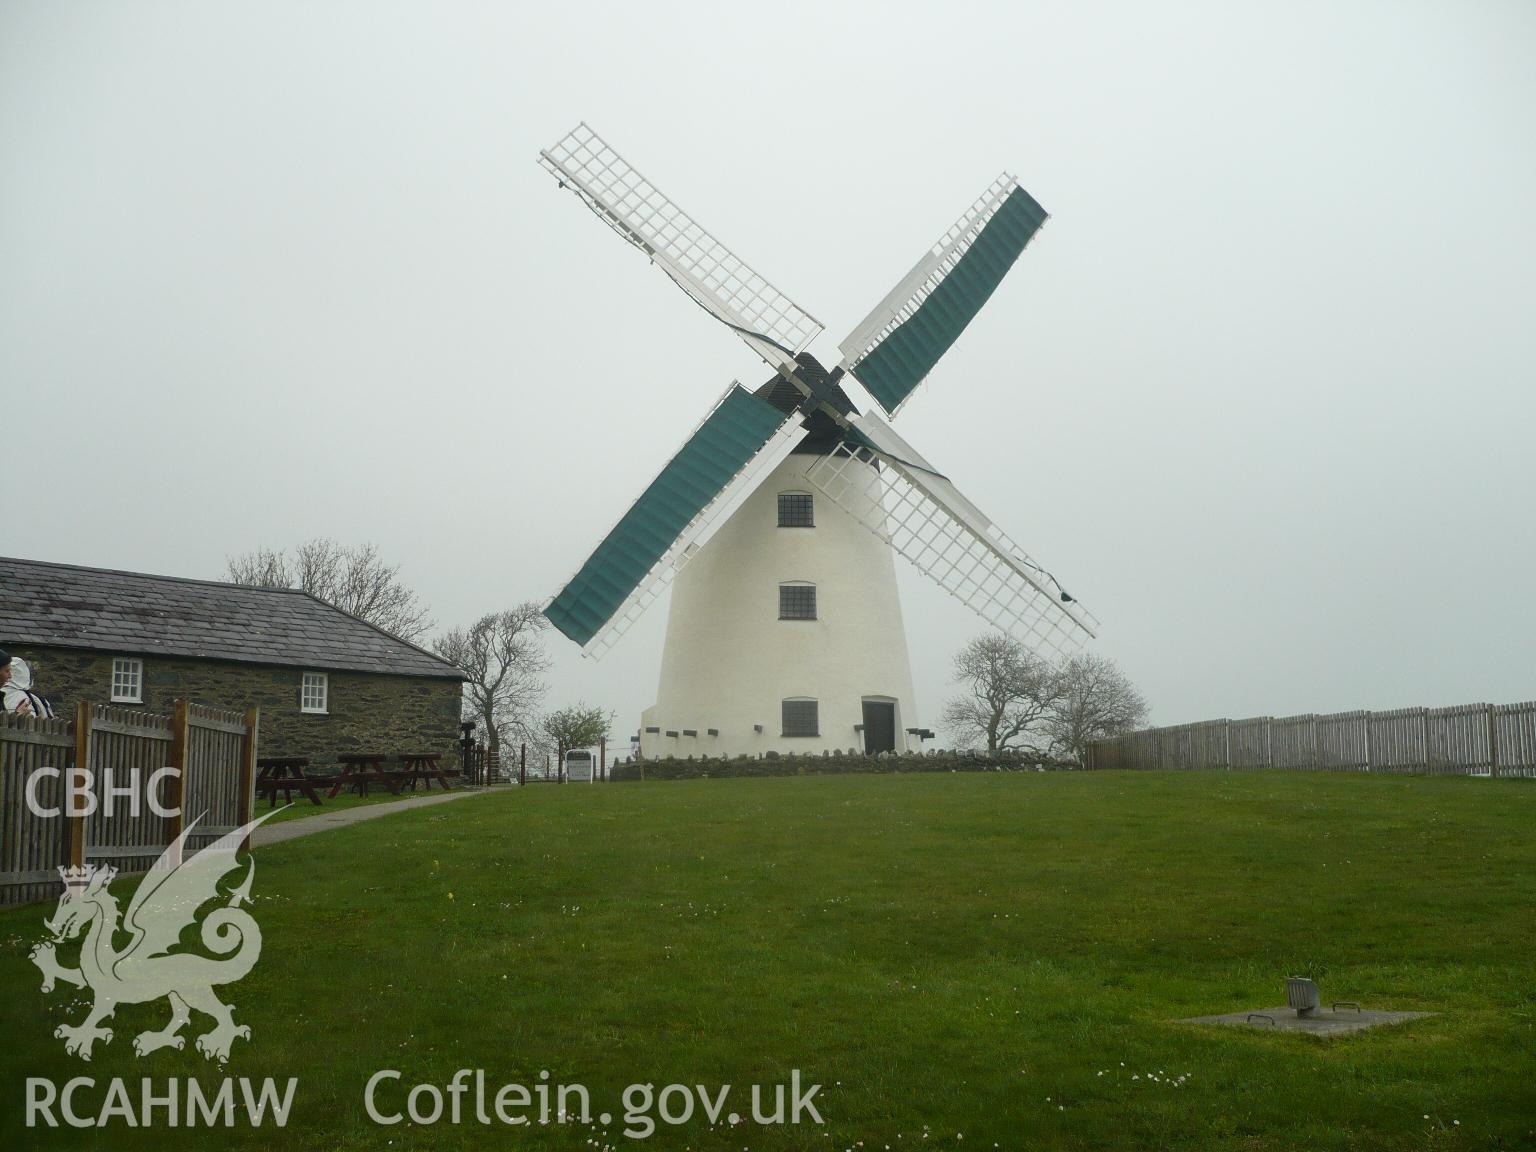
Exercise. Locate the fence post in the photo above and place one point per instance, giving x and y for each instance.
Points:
(181, 761)
(1226, 744)
(522, 764)
(467, 747)
(247, 799)
(1369, 751)
(1493, 742)
(1424, 721)
(75, 801)
(602, 758)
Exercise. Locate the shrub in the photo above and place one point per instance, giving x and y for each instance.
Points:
(775, 763)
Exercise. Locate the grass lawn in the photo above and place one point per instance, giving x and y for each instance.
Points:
(963, 961)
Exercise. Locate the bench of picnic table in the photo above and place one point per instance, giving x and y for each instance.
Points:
(302, 784)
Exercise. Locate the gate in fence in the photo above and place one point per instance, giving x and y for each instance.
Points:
(484, 766)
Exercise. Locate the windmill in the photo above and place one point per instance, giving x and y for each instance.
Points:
(776, 522)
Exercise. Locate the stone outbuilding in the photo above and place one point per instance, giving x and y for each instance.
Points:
(325, 681)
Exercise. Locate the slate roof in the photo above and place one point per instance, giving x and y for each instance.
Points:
(133, 613)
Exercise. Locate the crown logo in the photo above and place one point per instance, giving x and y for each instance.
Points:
(76, 877)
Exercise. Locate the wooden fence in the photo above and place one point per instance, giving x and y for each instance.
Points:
(213, 751)
(482, 766)
(1467, 740)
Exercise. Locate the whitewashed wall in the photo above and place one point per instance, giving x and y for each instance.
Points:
(729, 660)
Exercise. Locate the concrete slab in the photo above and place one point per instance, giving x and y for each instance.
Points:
(1322, 1022)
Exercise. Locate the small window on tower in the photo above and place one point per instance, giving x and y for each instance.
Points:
(796, 510)
(800, 718)
(797, 601)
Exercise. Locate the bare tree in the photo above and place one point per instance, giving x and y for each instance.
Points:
(577, 726)
(1010, 693)
(503, 659)
(1097, 701)
(354, 579)
(263, 568)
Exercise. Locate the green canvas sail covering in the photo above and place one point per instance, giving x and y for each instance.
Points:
(897, 364)
(731, 435)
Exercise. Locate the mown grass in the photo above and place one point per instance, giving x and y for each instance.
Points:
(964, 961)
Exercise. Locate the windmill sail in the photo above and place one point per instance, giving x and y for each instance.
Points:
(742, 435)
(869, 471)
(772, 324)
(897, 344)
(922, 515)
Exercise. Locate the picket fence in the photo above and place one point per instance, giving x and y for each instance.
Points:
(213, 751)
(1466, 740)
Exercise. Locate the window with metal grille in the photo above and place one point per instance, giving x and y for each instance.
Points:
(315, 694)
(800, 718)
(127, 681)
(797, 601)
(796, 510)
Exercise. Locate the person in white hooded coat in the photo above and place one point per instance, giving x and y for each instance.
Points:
(16, 695)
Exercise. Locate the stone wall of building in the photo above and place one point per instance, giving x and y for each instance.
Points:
(366, 711)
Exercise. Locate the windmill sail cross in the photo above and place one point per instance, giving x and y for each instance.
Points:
(859, 463)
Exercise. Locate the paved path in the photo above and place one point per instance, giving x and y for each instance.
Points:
(308, 825)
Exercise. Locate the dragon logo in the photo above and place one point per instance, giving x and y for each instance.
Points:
(165, 903)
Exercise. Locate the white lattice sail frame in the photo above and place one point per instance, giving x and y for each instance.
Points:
(703, 267)
(920, 514)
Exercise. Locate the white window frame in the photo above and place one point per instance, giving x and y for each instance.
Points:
(309, 680)
(127, 680)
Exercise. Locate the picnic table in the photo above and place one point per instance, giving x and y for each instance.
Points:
(366, 768)
(423, 766)
(363, 769)
(285, 774)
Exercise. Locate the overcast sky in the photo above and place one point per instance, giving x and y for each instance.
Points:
(1260, 393)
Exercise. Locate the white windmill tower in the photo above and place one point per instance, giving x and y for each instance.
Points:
(776, 522)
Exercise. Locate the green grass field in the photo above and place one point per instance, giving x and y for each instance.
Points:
(963, 961)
